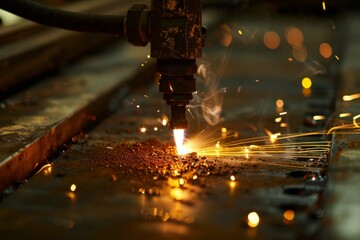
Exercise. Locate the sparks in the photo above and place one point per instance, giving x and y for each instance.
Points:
(324, 5)
(354, 120)
(278, 119)
(164, 122)
(319, 117)
(73, 187)
(253, 219)
(342, 115)
(232, 178)
(306, 83)
(143, 129)
(289, 216)
(351, 97)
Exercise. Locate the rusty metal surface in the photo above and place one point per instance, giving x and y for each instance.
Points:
(36, 122)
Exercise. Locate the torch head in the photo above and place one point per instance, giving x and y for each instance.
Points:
(176, 42)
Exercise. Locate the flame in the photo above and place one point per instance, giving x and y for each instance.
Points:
(179, 140)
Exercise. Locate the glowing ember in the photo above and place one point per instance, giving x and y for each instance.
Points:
(278, 119)
(143, 129)
(223, 130)
(294, 37)
(324, 5)
(271, 40)
(279, 103)
(351, 97)
(274, 137)
(240, 32)
(306, 83)
(148, 56)
(181, 181)
(325, 50)
(73, 187)
(342, 115)
(354, 120)
(282, 113)
(164, 122)
(289, 216)
(155, 129)
(232, 178)
(337, 57)
(247, 153)
(137, 106)
(179, 140)
(253, 219)
(318, 117)
(217, 145)
(194, 177)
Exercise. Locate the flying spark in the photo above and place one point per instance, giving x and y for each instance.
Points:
(253, 219)
(351, 97)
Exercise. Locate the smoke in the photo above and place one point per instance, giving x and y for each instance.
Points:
(210, 98)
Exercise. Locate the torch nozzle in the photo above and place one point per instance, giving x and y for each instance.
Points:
(178, 117)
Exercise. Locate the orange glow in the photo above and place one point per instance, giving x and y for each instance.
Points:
(325, 50)
(253, 219)
(225, 35)
(232, 184)
(283, 125)
(71, 195)
(179, 140)
(342, 115)
(181, 181)
(289, 216)
(306, 92)
(300, 53)
(194, 177)
(279, 103)
(271, 40)
(294, 37)
(318, 117)
(351, 97)
(354, 120)
(164, 122)
(306, 83)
